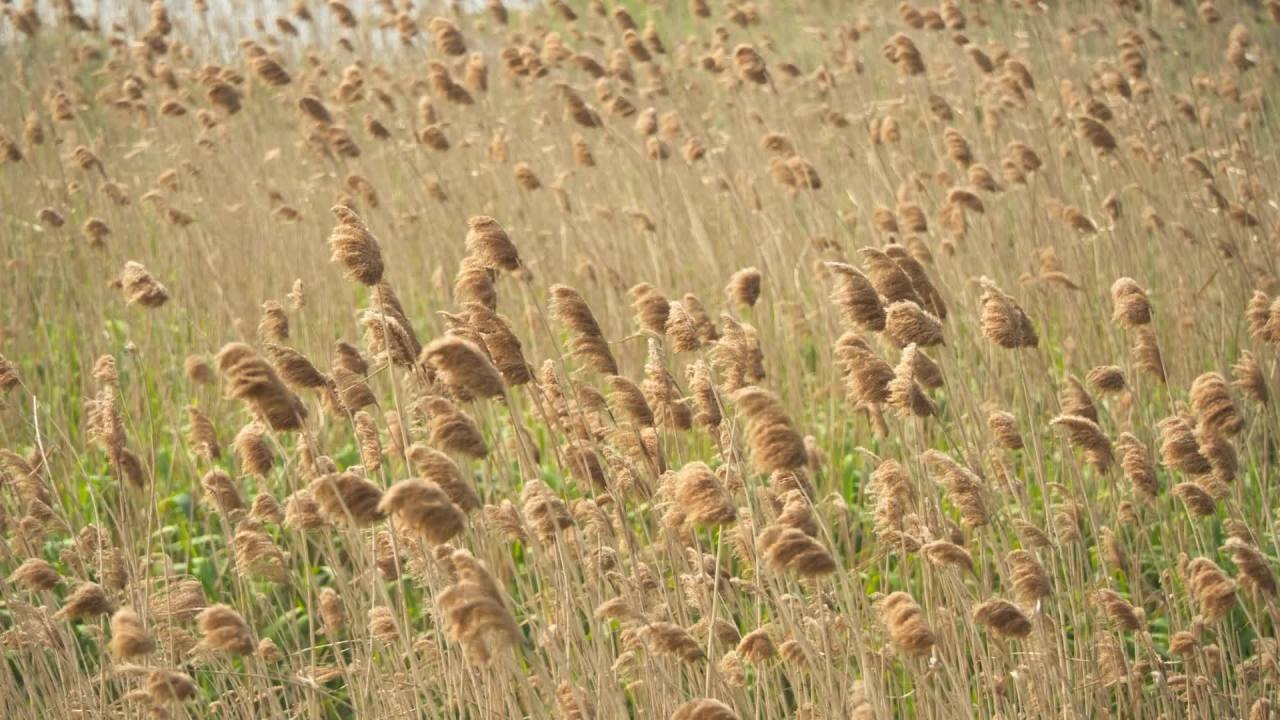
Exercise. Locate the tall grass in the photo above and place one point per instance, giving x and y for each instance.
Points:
(729, 360)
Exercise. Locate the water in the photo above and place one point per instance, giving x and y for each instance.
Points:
(226, 22)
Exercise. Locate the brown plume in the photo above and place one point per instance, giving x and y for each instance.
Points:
(475, 611)
(1212, 403)
(454, 431)
(489, 242)
(140, 288)
(1129, 300)
(1086, 436)
(223, 630)
(355, 247)
(129, 639)
(249, 378)
(857, 299)
(588, 344)
(907, 323)
(1003, 618)
(906, 623)
(704, 709)
(460, 363)
(252, 450)
(701, 497)
(905, 392)
(422, 507)
(347, 497)
(1003, 320)
(201, 435)
(440, 469)
(774, 441)
(744, 286)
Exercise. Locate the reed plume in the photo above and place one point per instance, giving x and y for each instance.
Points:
(501, 343)
(9, 378)
(474, 283)
(1138, 467)
(774, 441)
(295, 369)
(744, 287)
(1003, 618)
(867, 376)
(86, 600)
(1075, 400)
(333, 614)
(1211, 400)
(545, 510)
(487, 240)
(964, 487)
(738, 356)
(701, 497)
(858, 300)
(793, 550)
(36, 575)
(248, 377)
(628, 401)
(368, 442)
(1249, 378)
(1255, 570)
(1122, 615)
(140, 288)
(439, 468)
(1086, 436)
(460, 363)
(704, 709)
(256, 554)
(302, 512)
(889, 278)
(453, 430)
(948, 555)
(904, 391)
(354, 246)
(661, 393)
(906, 323)
(908, 628)
(931, 298)
(1106, 379)
(252, 450)
(1131, 307)
(347, 497)
(707, 407)
(1004, 428)
(475, 612)
(1263, 316)
(1146, 354)
(422, 507)
(681, 329)
(1003, 320)
(588, 344)
(1179, 448)
(169, 686)
(665, 638)
(201, 435)
(653, 310)
(1030, 580)
(1213, 590)
(224, 631)
(222, 491)
(757, 646)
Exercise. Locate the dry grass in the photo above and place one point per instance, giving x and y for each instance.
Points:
(778, 360)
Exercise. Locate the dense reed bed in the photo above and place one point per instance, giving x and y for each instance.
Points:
(708, 360)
